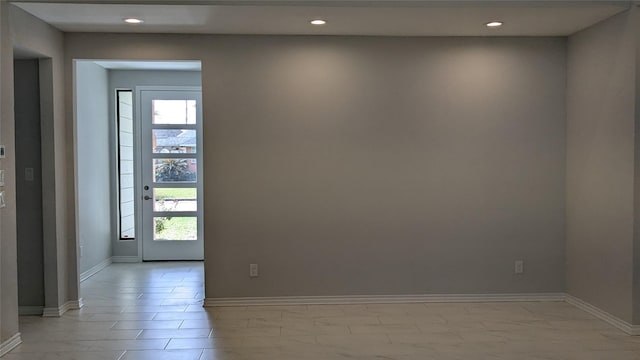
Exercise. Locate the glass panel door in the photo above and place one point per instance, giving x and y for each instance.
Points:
(171, 180)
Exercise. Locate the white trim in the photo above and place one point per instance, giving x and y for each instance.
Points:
(30, 310)
(603, 315)
(95, 269)
(10, 344)
(380, 299)
(75, 304)
(125, 259)
(52, 312)
(59, 311)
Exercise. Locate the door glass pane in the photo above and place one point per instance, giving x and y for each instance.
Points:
(125, 155)
(175, 228)
(174, 111)
(175, 199)
(173, 141)
(175, 170)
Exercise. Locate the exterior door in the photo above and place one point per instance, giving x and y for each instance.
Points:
(171, 144)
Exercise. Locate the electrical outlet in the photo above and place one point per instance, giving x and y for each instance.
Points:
(253, 270)
(519, 267)
(28, 174)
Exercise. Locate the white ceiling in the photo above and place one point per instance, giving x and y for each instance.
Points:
(395, 18)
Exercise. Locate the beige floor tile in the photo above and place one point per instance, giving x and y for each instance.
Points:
(101, 309)
(243, 332)
(360, 339)
(277, 341)
(199, 324)
(203, 343)
(347, 320)
(154, 311)
(313, 311)
(183, 316)
(431, 338)
(289, 322)
(311, 329)
(174, 334)
(144, 344)
(50, 346)
(143, 325)
(411, 319)
(122, 317)
(217, 354)
(163, 355)
(81, 335)
(384, 329)
(249, 314)
(94, 355)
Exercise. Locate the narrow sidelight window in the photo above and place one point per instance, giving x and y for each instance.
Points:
(126, 209)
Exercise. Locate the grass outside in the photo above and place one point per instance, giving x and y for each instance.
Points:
(176, 228)
(175, 193)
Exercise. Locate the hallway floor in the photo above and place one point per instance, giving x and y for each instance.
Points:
(153, 311)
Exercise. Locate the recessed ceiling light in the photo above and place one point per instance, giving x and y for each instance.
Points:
(494, 24)
(318, 22)
(133, 21)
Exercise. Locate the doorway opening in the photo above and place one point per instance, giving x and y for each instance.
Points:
(124, 155)
(29, 184)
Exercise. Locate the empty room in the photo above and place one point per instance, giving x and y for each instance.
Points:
(309, 179)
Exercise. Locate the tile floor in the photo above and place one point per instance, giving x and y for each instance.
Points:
(153, 311)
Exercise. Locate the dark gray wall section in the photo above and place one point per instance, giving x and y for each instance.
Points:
(129, 79)
(600, 165)
(28, 193)
(93, 164)
(384, 165)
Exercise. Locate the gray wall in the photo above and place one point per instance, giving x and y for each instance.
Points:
(34, 36)
(384, 165)
(20, 30)
(8, 249)
(129, 79)
(28, 192)
(361, 165)
(600, 165)
(635, 19)
(94, 194)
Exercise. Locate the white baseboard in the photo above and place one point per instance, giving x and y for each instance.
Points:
(30, 310)
(379, 299)
(11, 343)
(95, 269)
(125, 259)
(52, 312)
(59, 311)
(603, 315)
(75, 304)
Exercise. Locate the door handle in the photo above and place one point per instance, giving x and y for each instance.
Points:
(147, 197)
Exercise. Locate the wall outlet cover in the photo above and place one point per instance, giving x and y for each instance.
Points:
(253, 270)
(28, 174)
